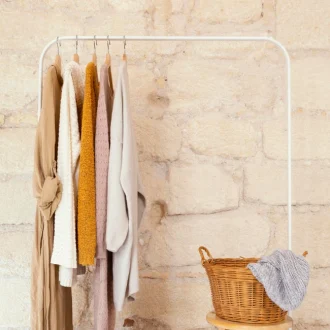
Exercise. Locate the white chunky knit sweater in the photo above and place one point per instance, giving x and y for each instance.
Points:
(65, 248)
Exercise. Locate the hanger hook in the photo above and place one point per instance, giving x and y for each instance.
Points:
(95, 44)
(124, 45)
(108, 43)
(58, 46)
(76, 44)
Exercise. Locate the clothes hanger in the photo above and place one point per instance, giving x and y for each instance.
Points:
(58, 57)
(124, 55)
(76, 56)
(94, 55)
(107, 56)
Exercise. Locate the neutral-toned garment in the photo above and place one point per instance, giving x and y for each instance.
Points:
(104, 312)
(104, 309)
(51, 304)
(126, 201)
(65, 247)
(284, 276)
(86, 187)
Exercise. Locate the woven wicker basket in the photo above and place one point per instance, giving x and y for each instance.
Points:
(237, 295)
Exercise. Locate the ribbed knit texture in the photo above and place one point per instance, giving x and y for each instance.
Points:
(65, 250)
(104, 311)
(86, 187)
(284, 276)
(102, 151)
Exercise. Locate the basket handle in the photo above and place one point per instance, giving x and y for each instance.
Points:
(201, 250)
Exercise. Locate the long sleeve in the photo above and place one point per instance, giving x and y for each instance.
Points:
(104, 316)
(65, 250)
(125, 197)
(117, 219)
(86, 186)
(102, 151)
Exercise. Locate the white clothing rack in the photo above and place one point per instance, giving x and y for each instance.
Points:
(200, 38)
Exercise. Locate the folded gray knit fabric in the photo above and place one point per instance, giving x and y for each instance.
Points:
(284, 276)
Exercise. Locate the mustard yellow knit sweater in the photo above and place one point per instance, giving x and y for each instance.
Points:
(86, 219)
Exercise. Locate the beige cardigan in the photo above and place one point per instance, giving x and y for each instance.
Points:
(126, 201)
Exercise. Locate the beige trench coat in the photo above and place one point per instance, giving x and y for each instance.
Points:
(51, 303)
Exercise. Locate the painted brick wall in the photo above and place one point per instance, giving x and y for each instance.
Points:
(211, 130)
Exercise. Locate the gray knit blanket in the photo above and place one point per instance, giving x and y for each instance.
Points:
(284, 276)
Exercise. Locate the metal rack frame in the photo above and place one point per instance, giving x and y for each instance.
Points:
(201, 38)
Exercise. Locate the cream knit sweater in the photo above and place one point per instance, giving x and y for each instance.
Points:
(65, 247)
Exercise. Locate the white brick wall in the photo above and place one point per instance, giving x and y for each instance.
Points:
(169, 302)
(311, 184)
(177, 238)
(202, 188)
(303, 24)
(309, 137)
(212, 135)
(15, 251)
(17, 204)
(158, 139)
(15, 302)
(211, 132)
(309, 81)
(16, 150)
(219, 11)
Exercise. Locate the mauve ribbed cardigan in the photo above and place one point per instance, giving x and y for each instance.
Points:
(104, 312)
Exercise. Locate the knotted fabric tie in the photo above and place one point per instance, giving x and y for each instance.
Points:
(50, 196)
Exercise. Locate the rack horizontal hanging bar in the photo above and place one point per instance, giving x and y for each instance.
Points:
(164, 38)
(168, 38)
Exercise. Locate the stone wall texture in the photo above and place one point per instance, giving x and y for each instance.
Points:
(210, 120)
